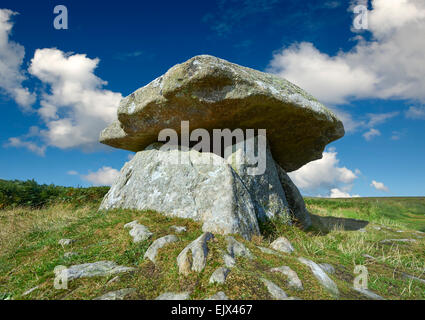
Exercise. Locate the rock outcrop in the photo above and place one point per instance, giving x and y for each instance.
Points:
(194, 256)
(215, 94)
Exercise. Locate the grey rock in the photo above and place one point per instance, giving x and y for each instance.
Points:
(367, 256)
(201, 186)
(138, 231)
(218, 296)
(66, 242)
(214, 93)
(295, 200)
(30, 290)
(158, 244)
(237, 249)
(293, 279)
(376, 228)
(410, 277)
(179, 229)
(282, 244)
(276, 292)
(70, 254)
(268, 251)
(194, 256)
(219, 275)
(321, 276)
(229, 261)
(113, 280)
(173, 296)
(328, 268)
(389, 241)
(117, 295)
(370, 294)
(95, 269)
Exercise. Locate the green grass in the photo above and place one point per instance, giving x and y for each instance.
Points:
(29, 252)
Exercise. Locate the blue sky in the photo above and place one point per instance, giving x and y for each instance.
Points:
(58, 88)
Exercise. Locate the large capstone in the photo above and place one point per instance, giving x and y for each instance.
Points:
(212, 93)
(204, 187)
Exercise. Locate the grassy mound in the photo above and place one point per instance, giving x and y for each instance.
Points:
(29, 252)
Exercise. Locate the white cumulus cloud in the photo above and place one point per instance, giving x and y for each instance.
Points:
(369, 135)
(337, 193)
(11, 58)
(390, 65)
(105, 176)
(379, 186)
(321, 176)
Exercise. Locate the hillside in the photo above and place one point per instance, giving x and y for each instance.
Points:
(29, 251)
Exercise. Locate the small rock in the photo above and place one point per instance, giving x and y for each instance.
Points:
(179, 229)
(400, 231)
(219, 275)
(30, 290)
(237, 249)
(376, 228)
(328, 268)
(282, 244)
(218, 296)
(410, 277)
(65, 242)
(362, 230)
(113, 280)
(228, 260)
(321, 276)
(268, 251)
(117, 295)
(68, 255)
(369, 294)
(293, 279)
(368, 256)
(158, 244)
(276, 292)
(198, 258)
(174, 296)
(397, 240)
(138, 231)
(95, 269)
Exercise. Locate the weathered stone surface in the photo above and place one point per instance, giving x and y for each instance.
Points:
(218, 296)
(158, 244)
(66, 242)
(370, 294)
(293, 279)
(219, 275)
(213, 93)
(138, 231)
(276, 292)
(268, 251)
(328, 268)
(95, 269)
(178, 229)
(229, 261)
(173, 296)
(294, 198)
(117, 295)
(321, 276)
(237, 249)
(194, 256)
(410, 277)
(282, 244)
(203, 187)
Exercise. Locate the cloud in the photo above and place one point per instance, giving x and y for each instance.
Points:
(11, 58)
(369, 135)
(379, 186)
(321, 176)
(336, 193)
(72, 173)
(105, 176)
(77, 107)
(31, 146)
(379, 118)
(391, 65)
(417, 113)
